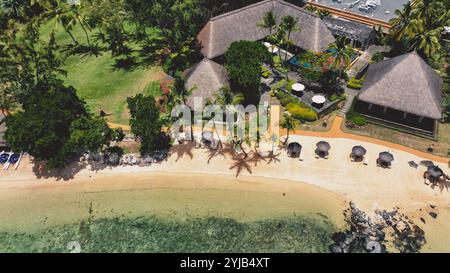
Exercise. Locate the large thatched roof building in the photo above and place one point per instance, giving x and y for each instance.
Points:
(243, 24)
(205, 78)
(404, 90)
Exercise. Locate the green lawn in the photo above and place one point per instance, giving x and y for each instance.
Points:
(441, 146)
(96, 81)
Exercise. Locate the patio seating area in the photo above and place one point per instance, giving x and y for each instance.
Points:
(305, 95)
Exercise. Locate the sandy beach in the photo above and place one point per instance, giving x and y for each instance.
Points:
(197, 182)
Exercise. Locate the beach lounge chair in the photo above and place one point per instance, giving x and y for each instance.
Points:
(366, 160)
(300, 157)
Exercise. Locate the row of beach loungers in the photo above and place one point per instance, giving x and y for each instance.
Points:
(9, 158)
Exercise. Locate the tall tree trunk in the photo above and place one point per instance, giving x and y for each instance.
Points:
(71, 36)
(85, 32)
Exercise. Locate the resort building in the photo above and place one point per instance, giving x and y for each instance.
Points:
(404, 93)
(204, 79)
(359, 35)
(243, 24)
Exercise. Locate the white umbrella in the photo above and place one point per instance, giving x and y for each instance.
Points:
(298, 87)
(319, 99)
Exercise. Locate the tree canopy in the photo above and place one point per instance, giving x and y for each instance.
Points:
(54, 126)
(145, 123)
(244, 61)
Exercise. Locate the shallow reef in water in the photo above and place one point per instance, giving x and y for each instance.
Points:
(151, 234)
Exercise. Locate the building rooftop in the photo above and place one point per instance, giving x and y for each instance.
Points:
(242, 24)
(405, 83)
(207, 77)
(356, 31)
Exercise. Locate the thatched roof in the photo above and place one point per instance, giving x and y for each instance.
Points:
(243, 24)
(207, 77)
(386, 157)
(405, 83)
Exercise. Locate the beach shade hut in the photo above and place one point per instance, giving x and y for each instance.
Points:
(358, 152)
(207, 137)
(434, 173)
(294, 149)
(322, 148)
(385, 159)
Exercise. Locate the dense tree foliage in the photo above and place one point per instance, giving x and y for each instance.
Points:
(145, 123)
(419, 26)
(244, 61)
(54, 126)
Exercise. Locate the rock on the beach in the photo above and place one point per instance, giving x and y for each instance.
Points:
(334, 248)
(433, 214)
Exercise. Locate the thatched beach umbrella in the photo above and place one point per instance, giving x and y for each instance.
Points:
(359, 151)
(434, 172)
(322, 148)
(294, 149)
(385, 158)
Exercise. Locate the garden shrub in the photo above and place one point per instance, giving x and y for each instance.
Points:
(355, 83)
(284, 98)
(356, 118)
(337, 96)
(266, 72)
(377, 57)
(289, 85)
(301, 111)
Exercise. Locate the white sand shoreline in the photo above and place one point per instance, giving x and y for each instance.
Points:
(370, 187)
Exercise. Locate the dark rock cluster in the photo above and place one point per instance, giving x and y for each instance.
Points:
(371, 235)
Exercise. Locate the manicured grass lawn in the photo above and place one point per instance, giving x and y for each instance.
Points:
(441, 146)
(96, 81)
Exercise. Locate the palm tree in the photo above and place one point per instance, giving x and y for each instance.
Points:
(401, 23)
(178, 95)
(288, 122)
(269, 21)
(289, 24)
(59, 10)
(225, 98)
(426, 42)
(341, 54)
(76, 14)
(13, 8)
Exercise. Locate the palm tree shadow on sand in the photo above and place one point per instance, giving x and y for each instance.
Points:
(226, 150)
(442, 185)
(240, 163)
(182, 150)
